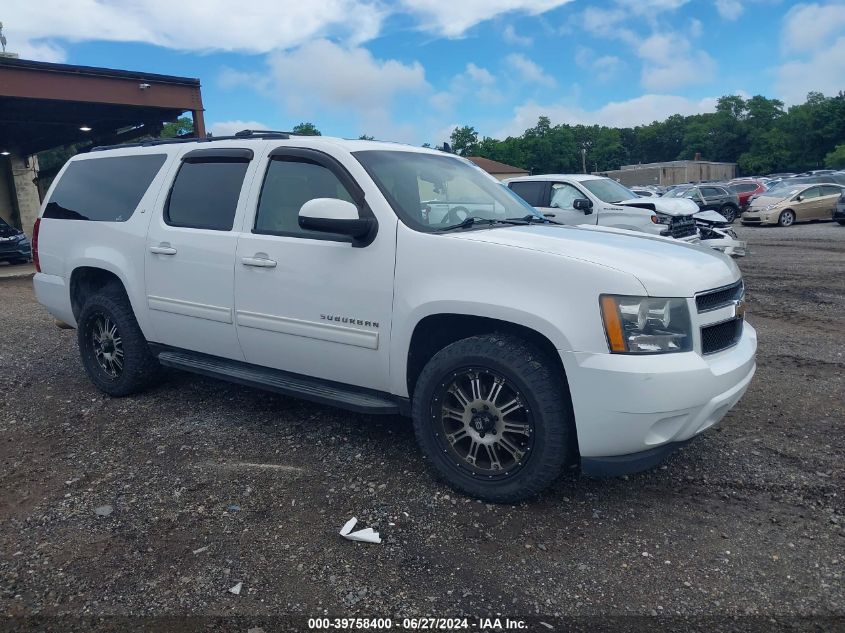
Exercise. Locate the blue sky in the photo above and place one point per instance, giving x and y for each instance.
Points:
(410, 70)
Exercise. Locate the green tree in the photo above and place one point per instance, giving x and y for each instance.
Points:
(464, 140)
(306, 129)
(836, 158)
(183, 126)
(364, 137)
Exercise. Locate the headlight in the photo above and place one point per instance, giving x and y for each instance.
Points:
(646, 325)
(661, 218)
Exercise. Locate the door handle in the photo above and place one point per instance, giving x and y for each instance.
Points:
(163, 249)
(259, 262)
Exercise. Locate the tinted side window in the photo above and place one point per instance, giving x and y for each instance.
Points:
(288, 185)
(831, 191)
(533, 192)
(813, 192)
(103, 189)
(710, 192)
(205, 195)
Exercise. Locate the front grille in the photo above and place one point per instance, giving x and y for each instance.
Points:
(715, 338)
(682, 226)
(720, 297)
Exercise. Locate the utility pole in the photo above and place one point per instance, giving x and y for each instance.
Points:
(584, 160)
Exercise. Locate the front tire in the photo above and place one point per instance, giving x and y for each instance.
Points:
(114, 351)
(492, 415)
(787, 218)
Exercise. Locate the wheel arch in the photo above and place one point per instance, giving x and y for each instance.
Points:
(435, 331)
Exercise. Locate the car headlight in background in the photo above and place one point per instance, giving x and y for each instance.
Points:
(646, 325)
(661, 218)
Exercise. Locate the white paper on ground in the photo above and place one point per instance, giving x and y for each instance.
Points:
(367, 535)
(236, 589)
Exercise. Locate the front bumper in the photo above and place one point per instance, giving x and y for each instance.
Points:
(760, 217)
(728, 245)
(627, 405)
(19, 249)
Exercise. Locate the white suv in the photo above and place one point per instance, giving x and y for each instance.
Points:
(309, 266)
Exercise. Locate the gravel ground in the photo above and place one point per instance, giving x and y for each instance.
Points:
(211, 484)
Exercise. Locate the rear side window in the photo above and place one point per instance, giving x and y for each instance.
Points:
(533, 192)
(103, 189)
(287, 186)
(205, 194)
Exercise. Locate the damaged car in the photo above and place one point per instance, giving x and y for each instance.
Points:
(595, 200)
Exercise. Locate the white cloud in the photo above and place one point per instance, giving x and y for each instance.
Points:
(669, 62)
(198, 25)
(809, 27)
(639, 111)
(228, 128)
(824, 71)
(603, 67)
(452, 18)
(322, 75)
(37, 50)
(528, 71)
(510, 35)
(476, 83)
(729, 9)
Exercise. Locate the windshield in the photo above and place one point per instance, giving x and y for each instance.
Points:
(608, 190)
(430, 192)
(680, 192)
(781, 192)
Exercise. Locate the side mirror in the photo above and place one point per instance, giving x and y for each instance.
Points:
(582, 204)
(331, 215)
(799, 198)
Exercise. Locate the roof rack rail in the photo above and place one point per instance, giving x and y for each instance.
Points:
(263, 134)
(243, 134)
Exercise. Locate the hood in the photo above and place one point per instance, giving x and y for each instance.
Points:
(764, 200)
(669, 206)
(711, 217)
(666, 268)
(9, 231)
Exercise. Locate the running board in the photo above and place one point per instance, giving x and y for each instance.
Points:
(313, 389)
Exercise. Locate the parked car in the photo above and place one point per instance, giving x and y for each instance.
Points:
(581, 199)
(839, 210)
(306, 266)
(646, 193)
(784, 206)
(745, 189)
(710, 198)
(14, 245)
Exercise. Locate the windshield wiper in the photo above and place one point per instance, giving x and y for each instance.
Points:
(534, 218)
(472, 221)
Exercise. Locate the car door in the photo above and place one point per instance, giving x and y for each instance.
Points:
(828, 199)
(560, 207)
(308, 302)
(190, 255)
(806, 204)
(712, 199)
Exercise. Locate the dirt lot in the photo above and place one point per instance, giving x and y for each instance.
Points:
(213, 484)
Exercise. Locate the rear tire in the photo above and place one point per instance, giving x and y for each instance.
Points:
(114, 352)
(841, 222)
(787, 218)
(729, 212)
(521, 436)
